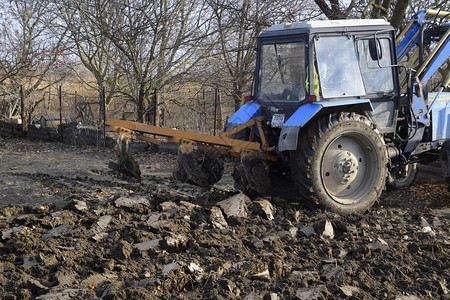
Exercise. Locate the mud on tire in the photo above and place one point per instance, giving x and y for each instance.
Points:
(180, 174)
(240, 180)
(340, 163)
(201, 167)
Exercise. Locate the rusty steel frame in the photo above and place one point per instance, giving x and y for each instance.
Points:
(222, 144)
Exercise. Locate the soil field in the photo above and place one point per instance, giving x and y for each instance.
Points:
(73, 229)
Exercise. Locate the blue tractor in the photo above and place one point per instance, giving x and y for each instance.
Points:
(345, 111)
(337, 112)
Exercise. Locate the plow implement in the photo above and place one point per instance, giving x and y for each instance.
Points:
(199, 154)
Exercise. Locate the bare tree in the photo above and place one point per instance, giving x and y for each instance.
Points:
(335, 9)
(158, 41)
(32, 53)
(394, 11)
(88, 42)
(239, 23)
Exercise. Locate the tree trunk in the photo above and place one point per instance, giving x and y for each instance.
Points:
(386, 4)
(140, 106)
(22, 109)
(219, 111)
(399, 13)
(155, 107)
(237, 102)
(375, 14)
(333, 12)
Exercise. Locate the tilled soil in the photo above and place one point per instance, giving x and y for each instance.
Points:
(72, 228)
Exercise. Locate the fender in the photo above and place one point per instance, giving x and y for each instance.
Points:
(247, 112)
(244, 114)
(305, 113)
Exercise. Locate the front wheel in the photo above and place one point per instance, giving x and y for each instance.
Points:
(340, 163)
(407, 177)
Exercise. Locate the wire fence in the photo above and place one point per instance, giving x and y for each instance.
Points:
(75, 118)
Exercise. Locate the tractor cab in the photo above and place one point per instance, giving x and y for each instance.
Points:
(344, 62)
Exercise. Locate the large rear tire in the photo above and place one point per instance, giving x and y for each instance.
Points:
(340, 163)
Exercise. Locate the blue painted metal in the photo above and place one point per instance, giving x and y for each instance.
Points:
(419, 105)
(408, 42)
(440, 113)
(289, 132)
(435, 98)
(412, 36)
(247, 112)
(303, 114)
(420, 17)
(440, 57)
(306, 112)
(420, 110)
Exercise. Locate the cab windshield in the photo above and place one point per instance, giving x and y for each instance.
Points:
(282, 72)
(338, 66)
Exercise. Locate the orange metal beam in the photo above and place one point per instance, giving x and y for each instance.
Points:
(148, 139)
(221, 144)
(178, 135)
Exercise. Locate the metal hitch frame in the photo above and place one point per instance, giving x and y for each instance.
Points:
(222, 144)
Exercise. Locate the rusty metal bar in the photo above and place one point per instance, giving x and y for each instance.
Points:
(226, 151)
(148, 139)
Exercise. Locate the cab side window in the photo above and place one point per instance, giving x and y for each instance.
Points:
(376, 79)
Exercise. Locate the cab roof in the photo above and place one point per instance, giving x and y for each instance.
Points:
(326, 26)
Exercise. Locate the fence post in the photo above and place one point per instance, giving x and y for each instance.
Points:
(103, 115)
(60, 115)
(22, 109)
(75, 103)
(216, 94)
(219, 110)
(155, 107)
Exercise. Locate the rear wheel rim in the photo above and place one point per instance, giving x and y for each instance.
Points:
(349, 168)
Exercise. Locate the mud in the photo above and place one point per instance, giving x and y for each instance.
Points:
(73, 229)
